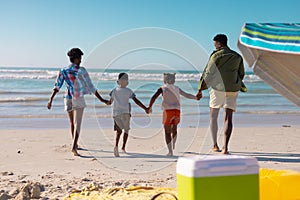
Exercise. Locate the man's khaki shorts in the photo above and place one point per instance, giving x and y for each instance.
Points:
(219, 99)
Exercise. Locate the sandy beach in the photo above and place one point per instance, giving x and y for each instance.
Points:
(42, 158)
(71, 49)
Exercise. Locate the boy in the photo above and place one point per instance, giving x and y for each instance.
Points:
(121, 110)
(171, 108)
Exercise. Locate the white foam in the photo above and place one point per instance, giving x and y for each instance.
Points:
(252, 78)
(110, 76)
(21, 99)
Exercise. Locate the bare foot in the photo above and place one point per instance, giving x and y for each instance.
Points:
(215, 148)
(116, 152)
(74, 151)
(225, 151)
(170, 154)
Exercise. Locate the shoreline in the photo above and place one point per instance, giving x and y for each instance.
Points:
(152, 121)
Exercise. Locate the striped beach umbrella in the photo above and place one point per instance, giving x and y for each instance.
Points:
(273, 50)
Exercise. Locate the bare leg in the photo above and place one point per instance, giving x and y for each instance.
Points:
(125, 137)
(71, 118)
(118, 135)
(214, 113)
(78, 113)
(174, 135)
(168, 139)
(227, 128)
(74, 147)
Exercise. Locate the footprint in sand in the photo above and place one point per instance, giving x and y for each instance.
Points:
(62, 148)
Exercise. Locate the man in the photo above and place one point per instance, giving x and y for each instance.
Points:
(224, 73)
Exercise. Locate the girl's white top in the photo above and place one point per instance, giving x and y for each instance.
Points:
(171, 97)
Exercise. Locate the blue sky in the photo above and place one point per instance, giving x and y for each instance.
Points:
(38, 33)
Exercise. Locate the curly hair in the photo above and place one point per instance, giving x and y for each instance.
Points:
(74, 53)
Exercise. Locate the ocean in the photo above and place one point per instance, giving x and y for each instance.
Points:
(24, 93)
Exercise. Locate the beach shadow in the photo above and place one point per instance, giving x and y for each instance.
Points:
(199, 153)
(273, 157)
(87, 156)
(144, 155)
(173, 159)
(126, 155)
(82, 149)
(189, 153)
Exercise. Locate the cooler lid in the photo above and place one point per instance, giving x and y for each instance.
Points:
(216, 165)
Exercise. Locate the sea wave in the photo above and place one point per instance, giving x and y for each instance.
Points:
(48, 92)
(250, 78)
(23, 92)
(22, 99)
(108, 76)
(180, 77)
(270, 112)
(27, 73)
(37, 71)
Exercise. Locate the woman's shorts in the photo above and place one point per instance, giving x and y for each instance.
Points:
(219, 99)
(122, 121)
(171, 117)
(73, 104)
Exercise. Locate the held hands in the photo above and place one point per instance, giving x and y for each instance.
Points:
(199, 95)
(148, 110)
(107, 102)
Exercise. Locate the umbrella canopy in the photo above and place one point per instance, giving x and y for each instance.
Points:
(273, 50)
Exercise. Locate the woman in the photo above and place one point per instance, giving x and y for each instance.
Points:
(78, 84)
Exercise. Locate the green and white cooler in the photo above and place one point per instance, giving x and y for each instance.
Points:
(217, 177)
